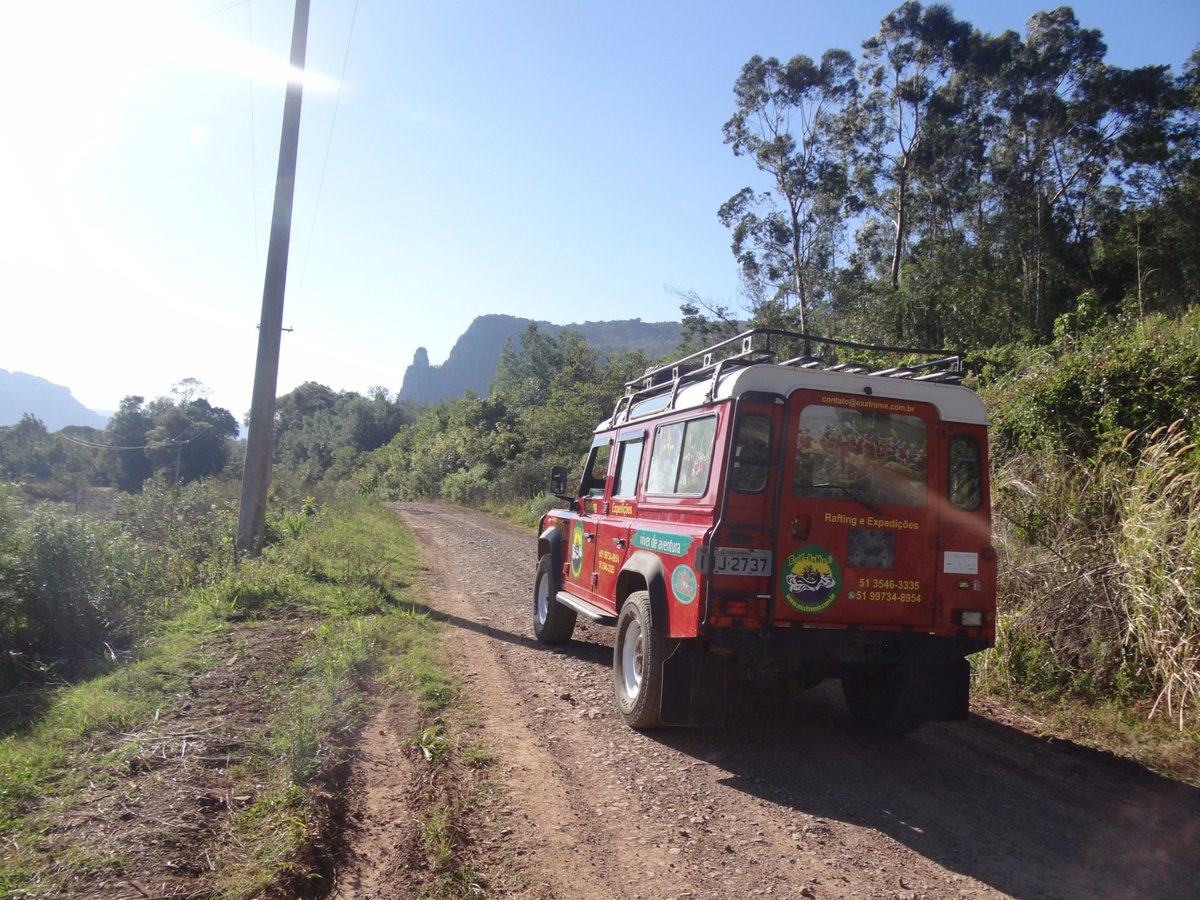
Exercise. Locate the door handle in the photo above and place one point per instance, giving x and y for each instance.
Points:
(620, 542)
(588, 536)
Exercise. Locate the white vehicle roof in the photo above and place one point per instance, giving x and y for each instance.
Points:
(954, 403)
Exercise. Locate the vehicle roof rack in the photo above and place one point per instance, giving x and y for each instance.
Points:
(761, 345)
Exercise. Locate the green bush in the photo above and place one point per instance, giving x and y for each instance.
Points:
(469, 488)
(75, 590)
(80, 584)
(1092, 389)
(193, 525)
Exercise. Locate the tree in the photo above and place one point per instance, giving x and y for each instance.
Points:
(703, 323)
(1066, 121)
(297, 405)
(907, 73)
(789, 121)
(371, 422)
(126, 434)
(189, 438)
(524, 373)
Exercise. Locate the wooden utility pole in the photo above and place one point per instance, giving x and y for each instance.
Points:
(256, 477)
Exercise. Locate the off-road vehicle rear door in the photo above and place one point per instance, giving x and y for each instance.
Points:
(857, 528)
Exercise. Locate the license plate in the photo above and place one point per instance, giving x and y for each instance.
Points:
(731, 561)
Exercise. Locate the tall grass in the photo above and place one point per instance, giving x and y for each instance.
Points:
(1099, 586)
(1158, 550)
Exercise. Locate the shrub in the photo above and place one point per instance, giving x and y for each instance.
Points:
(193, 524)
(1094, 389)
(80, 584)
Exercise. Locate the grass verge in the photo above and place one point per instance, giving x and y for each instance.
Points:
(211, 764)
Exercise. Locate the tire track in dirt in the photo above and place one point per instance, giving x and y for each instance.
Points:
(568, 853)
(792, 799)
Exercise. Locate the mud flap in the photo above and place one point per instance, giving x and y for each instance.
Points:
(945, 689)
(695, 688)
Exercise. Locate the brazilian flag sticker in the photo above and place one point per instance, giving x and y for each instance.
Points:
(811, 579)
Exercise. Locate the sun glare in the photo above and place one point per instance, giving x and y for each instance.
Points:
(87, 55)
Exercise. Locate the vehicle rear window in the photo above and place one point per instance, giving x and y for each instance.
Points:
(965, 492)
(682, 456)
(856, 454)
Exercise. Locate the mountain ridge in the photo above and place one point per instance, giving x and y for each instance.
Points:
(471, 364)
(53, 404)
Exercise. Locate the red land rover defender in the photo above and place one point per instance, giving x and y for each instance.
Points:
(830, 520)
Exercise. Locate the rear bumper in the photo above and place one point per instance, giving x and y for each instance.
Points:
(843, 649)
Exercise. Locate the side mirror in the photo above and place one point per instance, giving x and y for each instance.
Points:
(558, 481)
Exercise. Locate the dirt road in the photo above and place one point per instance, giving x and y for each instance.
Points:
(792, 799)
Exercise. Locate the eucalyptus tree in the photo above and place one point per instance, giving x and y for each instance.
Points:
(907, 105)
(1148, 226)
(790, 120)
(1071, 126)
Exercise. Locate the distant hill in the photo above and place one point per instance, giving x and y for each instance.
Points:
(52, 403)
(472, 362)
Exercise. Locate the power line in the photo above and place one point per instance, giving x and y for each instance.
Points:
(328, 145)
(155, 445)
(217, 12)
(253, 142)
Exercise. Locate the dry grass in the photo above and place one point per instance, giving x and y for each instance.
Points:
(1099, 587)
(1158, 550)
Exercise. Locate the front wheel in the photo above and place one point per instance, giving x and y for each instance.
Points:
(553, 623)
(638, 655)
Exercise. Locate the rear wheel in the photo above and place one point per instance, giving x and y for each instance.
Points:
(886, 699)
(638, 655)
(553, 623)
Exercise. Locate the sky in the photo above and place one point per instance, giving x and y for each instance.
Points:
(552, 159)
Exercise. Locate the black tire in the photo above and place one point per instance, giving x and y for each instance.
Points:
(638, 655)
(886, 699)
(553, 623)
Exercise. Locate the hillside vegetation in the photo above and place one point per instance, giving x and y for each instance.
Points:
(1096, 494)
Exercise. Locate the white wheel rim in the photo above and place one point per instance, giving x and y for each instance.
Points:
(543, 600)
(632, 659)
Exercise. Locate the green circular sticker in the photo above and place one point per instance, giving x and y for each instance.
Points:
(811, 579)
(577, 549)
(683, 583)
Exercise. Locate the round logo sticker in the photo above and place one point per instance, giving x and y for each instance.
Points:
(683, 583)
(811, 579)
(577, 549)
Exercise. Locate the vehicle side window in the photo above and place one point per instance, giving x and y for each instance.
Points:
(664, 461)
(751, 450)
(596, 471)
(682, 457)
(965, 490)
(628, 463)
